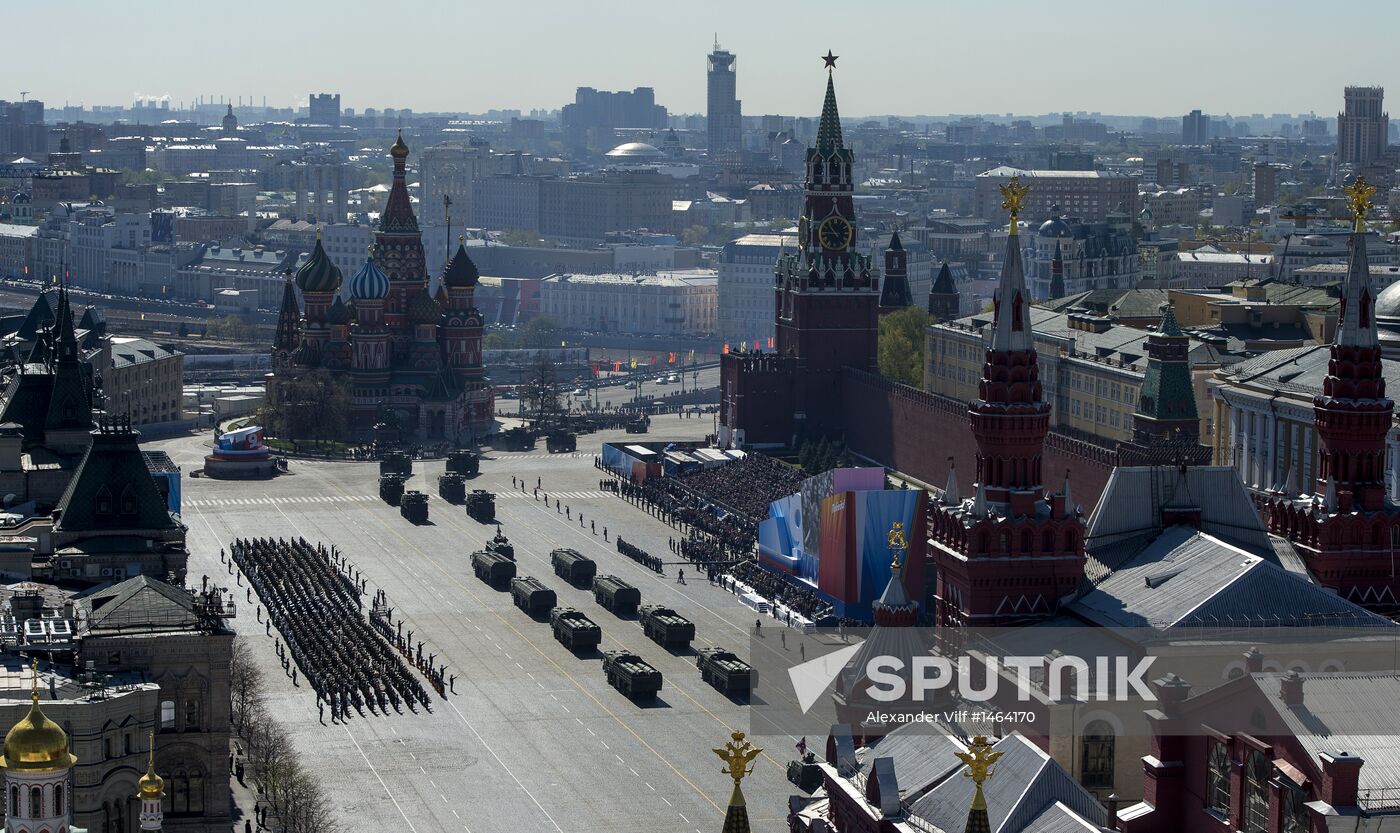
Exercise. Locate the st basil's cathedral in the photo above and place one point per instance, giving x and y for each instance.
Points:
(409, 344)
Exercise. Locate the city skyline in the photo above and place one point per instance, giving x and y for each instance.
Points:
(889, 67)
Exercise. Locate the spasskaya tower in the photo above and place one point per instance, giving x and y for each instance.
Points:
(826, 308)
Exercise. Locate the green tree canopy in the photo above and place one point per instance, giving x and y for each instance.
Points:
(903, 340)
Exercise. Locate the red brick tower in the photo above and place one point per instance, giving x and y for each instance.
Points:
(1010, 553)
(1347, 530)
(826, 305)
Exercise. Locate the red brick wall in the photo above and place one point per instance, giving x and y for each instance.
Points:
(915, 432)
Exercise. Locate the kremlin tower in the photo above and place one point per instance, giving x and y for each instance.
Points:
(38, 771)
(1346, 530)
(411, 360)
(1009, 553)
(825, 307)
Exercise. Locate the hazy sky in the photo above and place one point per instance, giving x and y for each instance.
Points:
(897, 56)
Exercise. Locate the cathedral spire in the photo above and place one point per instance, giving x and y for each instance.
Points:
(398, 214)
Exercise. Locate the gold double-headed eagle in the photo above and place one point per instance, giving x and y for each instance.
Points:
(738, 755)
(1013, 194)
(979, 758)
(1359, 194)
(898, 545)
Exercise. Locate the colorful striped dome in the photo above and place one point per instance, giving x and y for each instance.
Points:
(318, 273)
(370, 283)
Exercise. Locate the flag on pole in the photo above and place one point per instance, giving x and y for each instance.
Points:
(634, 363)
(726, 349)
(670, 358)
(617, 367)
(770, 342)
(743, 346)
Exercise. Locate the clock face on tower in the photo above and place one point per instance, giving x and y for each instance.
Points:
(834, 233)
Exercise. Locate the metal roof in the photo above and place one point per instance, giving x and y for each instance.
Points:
(1132, 501)
(1189, 578)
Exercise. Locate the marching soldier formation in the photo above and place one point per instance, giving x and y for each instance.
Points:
(315, 603)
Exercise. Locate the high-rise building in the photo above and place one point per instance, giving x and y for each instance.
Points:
(590, 120)
(1265, 184)
(1195, 128)
(723, 112)
(324, 109)
(1362, 126)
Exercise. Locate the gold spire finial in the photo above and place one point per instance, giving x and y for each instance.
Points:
(1359, 194)
(462, 239)
(979, 758)
(318, 232)
(1013, 193)
(898, 545)
(738, 755)
(150, 787)
(34, 680)
(369, 250)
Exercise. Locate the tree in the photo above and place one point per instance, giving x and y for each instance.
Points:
(521, 237)
(245, 684)
(539, 332)
(903, 341)
(695, 235)
(308, 404)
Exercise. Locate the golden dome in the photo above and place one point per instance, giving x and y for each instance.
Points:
(399, 150)
(35, 743)
(151, 787)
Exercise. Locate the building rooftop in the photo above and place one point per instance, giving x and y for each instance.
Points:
(1006, 171)
(678, 278)
(129, 350)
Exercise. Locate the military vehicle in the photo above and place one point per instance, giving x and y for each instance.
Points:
(463, 462)
(391, 488)
(493, 568)
(531, 596)
(631, 675)
(481, 506)
(414, 506)
(518, 438)
(396, 462)
(452, 488)
(666, 627)
(574, 630)
(616, 595)
(557, 442)
(805, 774)
(501, 545)
(725, 672)
(573, 566)
(637, 426)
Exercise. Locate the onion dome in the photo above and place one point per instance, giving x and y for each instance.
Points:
(318, 273)
(370, 283)
(339, 313)
(460, 271)
(305, 355)
(423, 309)
(151, 787)
(35, 743)
(399, 150)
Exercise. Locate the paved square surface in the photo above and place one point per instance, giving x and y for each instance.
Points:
(534, 739)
